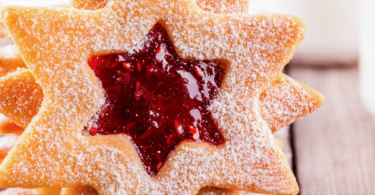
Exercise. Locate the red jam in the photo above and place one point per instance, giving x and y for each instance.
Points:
(157, 98)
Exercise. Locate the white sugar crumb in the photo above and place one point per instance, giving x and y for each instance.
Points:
(257, 46)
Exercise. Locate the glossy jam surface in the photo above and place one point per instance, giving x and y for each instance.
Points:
(156, 98)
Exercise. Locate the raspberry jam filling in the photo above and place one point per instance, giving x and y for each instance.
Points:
(157, 98)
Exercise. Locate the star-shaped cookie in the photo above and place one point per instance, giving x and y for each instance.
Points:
(247, 75)
(203, 191)
(7, 126)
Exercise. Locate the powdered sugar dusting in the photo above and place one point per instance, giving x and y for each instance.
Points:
(231, 6)
(224, 6)
(20, 96)
(91, 5)
(253, 48)
(285, 102)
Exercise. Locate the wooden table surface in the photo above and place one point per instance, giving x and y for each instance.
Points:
(335, 146)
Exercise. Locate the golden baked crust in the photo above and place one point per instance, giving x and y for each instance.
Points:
(218, 191)
(79, 190)
(46, 191)
(54, 118)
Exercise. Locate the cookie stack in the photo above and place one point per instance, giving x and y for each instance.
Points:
(148, 97)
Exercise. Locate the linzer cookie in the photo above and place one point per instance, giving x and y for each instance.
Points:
(9, 127)
(219, 63)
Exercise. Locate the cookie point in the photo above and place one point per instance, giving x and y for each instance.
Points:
(7, 12)
(294, 188)
(299, 21)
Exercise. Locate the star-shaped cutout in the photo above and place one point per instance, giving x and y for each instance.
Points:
(58, 73)
(156, 98)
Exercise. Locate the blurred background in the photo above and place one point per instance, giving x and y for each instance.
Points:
(331, 151)
(332, 28)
